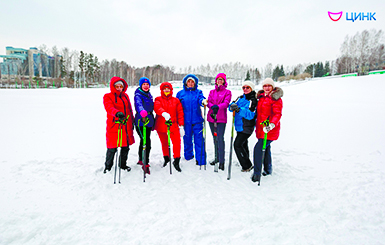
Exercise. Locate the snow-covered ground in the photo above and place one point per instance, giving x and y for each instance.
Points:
(327, 187)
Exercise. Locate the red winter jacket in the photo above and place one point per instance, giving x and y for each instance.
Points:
(113, 103)
(272, 109)
(172, 106)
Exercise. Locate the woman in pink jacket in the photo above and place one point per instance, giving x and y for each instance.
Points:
(218, 102)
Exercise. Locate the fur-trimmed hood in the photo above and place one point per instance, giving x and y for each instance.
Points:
(276, 94)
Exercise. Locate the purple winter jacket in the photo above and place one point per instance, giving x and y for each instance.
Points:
(220, 96)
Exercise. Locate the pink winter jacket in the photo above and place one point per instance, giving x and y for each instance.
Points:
(220, 96)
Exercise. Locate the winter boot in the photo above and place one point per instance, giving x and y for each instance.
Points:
(256, 178)
(166, 160)
(222, 166)
(213, 162)
(125, 167)
(176, 164)
(247, 170)
(146, 169)
(109, 159)
(107, 168)
(264, 173)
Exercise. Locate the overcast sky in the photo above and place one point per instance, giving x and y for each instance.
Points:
(182, 33)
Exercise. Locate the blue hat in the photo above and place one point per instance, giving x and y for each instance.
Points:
(144, 80)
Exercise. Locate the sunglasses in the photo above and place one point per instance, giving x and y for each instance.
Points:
(246, 87)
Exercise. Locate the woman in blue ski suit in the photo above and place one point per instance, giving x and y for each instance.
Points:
(244, 122)
(144, 106)
(191, 98)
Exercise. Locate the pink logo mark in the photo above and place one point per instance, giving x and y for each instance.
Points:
(330, 15)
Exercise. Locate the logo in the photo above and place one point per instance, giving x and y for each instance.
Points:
(335, 14)
(354, 16)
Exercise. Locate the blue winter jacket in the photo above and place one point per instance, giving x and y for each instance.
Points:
(245, 119)
(143, 101)
(191, 99)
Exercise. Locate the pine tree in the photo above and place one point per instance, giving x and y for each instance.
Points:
(81, 65)
(247, 76)
(319, 70)
(63, 71)
(90, 66)
(276, 73)
(309, 69)
(281, 71)
(258, 75)
(327, 68)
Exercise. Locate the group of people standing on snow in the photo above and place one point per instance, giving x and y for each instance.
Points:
(182, 116)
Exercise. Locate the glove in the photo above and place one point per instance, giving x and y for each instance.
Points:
(120, 115)
(204, 102)
(181, 131)
(168, 123)
(266, 129)
(166, 116)
(234, 107)
(143, 114)
(215, 109)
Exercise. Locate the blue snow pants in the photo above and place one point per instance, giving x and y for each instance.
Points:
(193, 136)
(267, 166)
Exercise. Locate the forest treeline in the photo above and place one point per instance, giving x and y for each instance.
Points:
(360, 54)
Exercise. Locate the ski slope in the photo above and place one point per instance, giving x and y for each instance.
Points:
(327, 186)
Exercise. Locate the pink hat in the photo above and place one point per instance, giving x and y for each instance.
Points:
(222, 75)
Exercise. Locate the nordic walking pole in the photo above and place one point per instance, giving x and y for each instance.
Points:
(117, 158)
(232, 138)
(214, 116)
(264, 124)
(204, 133)
(144, 155)
(203, 138)
(169, 123)
(231, 147)
(119, 145)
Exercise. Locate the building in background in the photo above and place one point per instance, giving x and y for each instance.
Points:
(29, 63)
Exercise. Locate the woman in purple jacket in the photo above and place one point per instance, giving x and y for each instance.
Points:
(144, 106)
(218, 102)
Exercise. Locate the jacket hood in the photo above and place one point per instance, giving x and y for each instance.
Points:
(276, 94)
(165, 84)
(222, 75)
(114, 80)
(196, 79)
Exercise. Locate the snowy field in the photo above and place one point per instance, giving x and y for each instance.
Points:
(327, 187)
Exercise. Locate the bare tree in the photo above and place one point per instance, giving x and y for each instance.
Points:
(268, 72)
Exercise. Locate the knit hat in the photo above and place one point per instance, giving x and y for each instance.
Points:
(144, 80)
(222, 75)
(119, 83)
(250, 84)
(190, 78)
(268, 81)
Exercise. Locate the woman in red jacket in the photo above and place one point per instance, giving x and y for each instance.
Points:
(169, 108)
(269, 107)
(118, 108)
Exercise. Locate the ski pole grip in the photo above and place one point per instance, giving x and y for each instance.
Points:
(265, 123)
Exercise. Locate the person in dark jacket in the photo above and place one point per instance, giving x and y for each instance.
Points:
(191, 98)
(269, 107)
(218, 102)
(118, 108)
(144, 106)
(245, 116)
